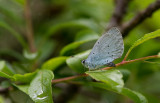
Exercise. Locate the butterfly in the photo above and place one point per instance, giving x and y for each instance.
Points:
(108, 47)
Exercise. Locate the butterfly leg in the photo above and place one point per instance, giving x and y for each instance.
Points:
(111, 64)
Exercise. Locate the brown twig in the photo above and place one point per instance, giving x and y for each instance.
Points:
(140, 17)
(69, 78)
(118, 14)
(29, 27)
(119, 64)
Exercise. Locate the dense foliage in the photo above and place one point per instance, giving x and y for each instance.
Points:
(42, 43)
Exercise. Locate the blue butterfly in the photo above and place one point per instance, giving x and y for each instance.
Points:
(107, 48)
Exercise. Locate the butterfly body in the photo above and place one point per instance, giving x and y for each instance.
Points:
(97, 64)
(107, 48)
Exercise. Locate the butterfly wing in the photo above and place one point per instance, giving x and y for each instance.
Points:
(107, 48)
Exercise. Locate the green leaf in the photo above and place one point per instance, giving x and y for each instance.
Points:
(135, 96)
(5, 71)
(82, 23)
(75, 61)
(71, 47)
(18, 96)
(12, 53)
(5, 75)
(143, 39)
(81, 38)
(86, 34)
(54, 63)
(26, 78)
(23, 88)
(126, 73)
(110, 77)
(14, 33)
(11, 14)
(40, 87)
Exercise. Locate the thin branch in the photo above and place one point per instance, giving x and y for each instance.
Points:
(118, 14)
(29, 27)
(119, 64)
(140, 17)
(68, 78)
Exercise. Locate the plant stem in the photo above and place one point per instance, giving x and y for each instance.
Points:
(126, 56)
(119, 13)
(69, 78)
(106, 68)
(29, 27)
(140, 17)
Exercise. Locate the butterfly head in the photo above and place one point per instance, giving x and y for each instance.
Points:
(84, 63)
